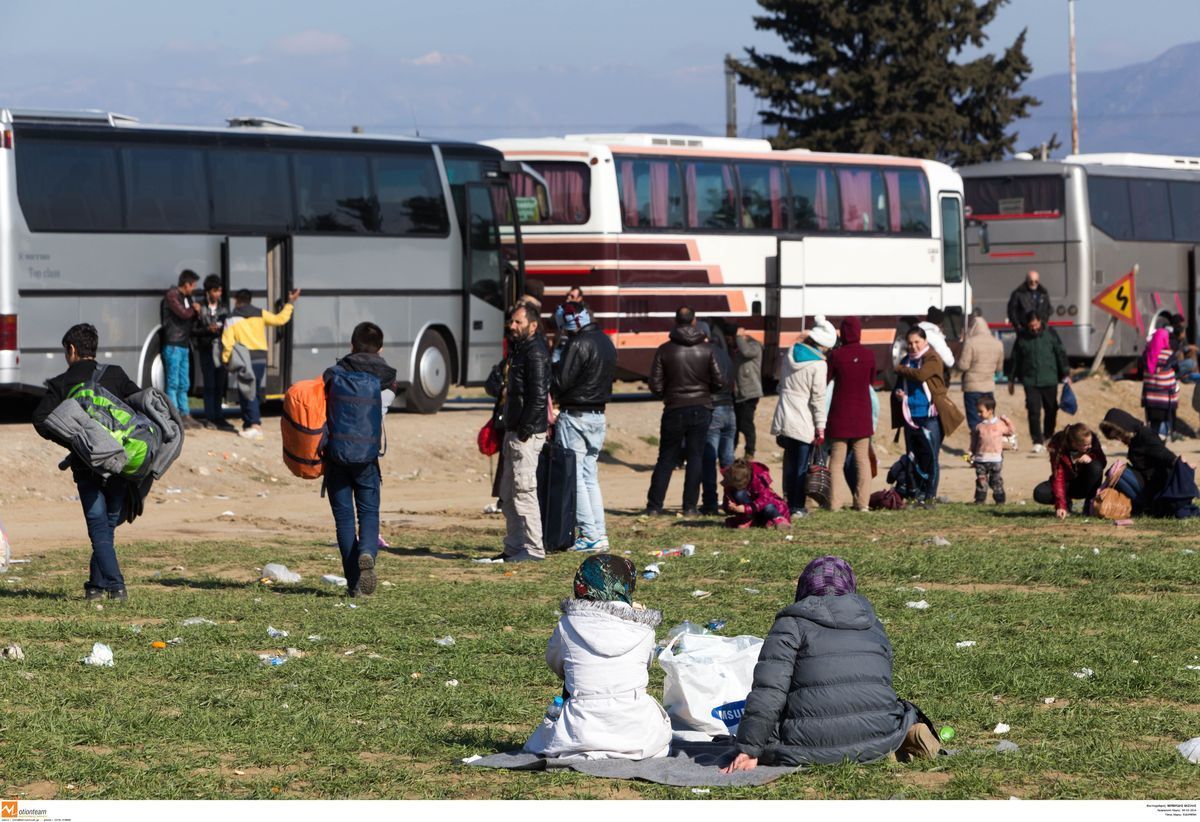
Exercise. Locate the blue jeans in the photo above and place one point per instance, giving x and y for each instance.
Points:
(925, 444)
(250, 410)
(1130, 486)
(177, 361)
(971, 402)
(795, 469)
(583, 432)
(102, 512)
(353, 487)
(718, 449)
(681, 429)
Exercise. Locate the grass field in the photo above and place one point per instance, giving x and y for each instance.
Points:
(204, 719)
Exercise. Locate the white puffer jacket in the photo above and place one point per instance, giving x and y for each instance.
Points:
(801, 407)
(602, 651)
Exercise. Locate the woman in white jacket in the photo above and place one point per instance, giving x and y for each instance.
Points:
(602, 649)
(799, 421)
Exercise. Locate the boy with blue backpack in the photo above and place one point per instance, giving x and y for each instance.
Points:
(359, 390)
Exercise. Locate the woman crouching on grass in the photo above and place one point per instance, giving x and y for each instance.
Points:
(1076, 469)
(823, 684)
(602, 650)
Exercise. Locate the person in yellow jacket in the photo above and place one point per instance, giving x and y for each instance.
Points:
(246, 326)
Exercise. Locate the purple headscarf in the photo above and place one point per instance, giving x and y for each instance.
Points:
(826, 576)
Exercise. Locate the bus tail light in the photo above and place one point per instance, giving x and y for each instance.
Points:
(7, 138)
(8, 332)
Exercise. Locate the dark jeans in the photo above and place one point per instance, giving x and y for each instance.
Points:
(215, 380)
(925, 444)
(718, 450)
(102, 512)
(1037, 400)
(769, 513)
(744, 410)
(681, 428)
(795, 469)
(1084, 485)
(353, 487)
(971, 406)
(250, 408)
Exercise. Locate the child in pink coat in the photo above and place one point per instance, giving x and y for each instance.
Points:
(749, 498)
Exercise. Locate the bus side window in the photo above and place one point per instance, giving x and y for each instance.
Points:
(711, 195)
(1108, 199)
(814, 198)
(650, 193)
(952, 258)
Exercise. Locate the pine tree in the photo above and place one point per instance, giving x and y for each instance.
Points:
(881, 76)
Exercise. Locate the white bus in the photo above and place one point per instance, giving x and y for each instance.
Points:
(99, 214)
(1083, 223)
(645, 223)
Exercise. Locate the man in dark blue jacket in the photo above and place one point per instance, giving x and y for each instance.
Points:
(583, 379)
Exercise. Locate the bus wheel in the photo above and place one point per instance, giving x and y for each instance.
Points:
(154, 370)
(431, 378)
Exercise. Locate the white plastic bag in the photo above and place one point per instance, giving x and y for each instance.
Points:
(707, 680)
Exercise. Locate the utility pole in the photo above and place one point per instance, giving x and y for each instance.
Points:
(1074, 85)
(730, 98)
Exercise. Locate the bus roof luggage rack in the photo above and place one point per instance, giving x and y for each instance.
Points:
(262, 122)
(66, 116)
(1135, 160)
(675, 141)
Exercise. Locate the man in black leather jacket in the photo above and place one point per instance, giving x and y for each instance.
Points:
(523, 419)
(685, 374)
(583, 379)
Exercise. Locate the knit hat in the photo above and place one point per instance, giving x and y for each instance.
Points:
(826, 576)
(822, 332)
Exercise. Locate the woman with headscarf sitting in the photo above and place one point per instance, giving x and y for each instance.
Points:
(1151, 468)
(823, 684)
(602, 649)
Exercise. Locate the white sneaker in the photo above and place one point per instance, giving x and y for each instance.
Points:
(249, 434)
(1038, 448)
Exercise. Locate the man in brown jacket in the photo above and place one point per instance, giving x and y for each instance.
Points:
(981, 359)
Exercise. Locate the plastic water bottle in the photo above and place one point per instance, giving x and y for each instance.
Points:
(554, 709)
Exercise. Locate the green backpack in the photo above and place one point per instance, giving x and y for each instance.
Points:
(134, 431)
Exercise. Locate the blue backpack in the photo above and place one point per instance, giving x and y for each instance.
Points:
(354, 417)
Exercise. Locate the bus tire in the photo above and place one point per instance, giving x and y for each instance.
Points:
(154, 370)
(431, 375)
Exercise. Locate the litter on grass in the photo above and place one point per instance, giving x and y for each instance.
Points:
(966, 643)
(275, 632)
(13, 653)
(100, 657)
(1001, 728)
(446, 641)
(470, 759)
(698, 594)
(1006, 746)
(271, 660)
(334, 580)
(1192, 667)
(451, 683)
(178, 640)
(314, 637)
(701, 791)
(1083, 673)
(1190, 750)
(190, 621)
(1049, 700)
(940, 540)
(920, 605)
(279, 573)
(751, 590)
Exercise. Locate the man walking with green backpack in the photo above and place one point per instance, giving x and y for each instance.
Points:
(104, 500)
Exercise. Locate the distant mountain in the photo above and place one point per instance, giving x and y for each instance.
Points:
(673, 128)
(1148, 107)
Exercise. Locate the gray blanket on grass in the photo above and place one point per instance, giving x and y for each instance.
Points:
(689, 764)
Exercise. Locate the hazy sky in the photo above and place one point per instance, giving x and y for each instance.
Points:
(461, 68)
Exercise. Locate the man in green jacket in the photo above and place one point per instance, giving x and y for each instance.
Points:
(1039, 362)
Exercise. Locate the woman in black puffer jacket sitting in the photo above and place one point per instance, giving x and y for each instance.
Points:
(823, 684)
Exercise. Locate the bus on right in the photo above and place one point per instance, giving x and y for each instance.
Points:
(1083, 223)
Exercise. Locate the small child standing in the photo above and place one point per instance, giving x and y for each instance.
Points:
(353, 486)
(749, 498)
(987, 451)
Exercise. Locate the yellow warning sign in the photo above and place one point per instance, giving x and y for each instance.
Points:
(1120, 299)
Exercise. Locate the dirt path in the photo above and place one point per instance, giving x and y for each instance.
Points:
(433, 474)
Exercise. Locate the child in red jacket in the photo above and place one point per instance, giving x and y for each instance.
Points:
(749, 498)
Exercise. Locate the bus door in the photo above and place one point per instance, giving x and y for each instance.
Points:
(956, 297)
(491, 280)
(263, 265)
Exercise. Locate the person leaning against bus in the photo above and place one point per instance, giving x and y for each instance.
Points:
(247, 326)
(178, 315)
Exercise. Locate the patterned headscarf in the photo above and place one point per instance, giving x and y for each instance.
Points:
(605, 578)
(826, 576)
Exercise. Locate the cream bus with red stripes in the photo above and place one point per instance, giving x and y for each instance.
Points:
(644, 223)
